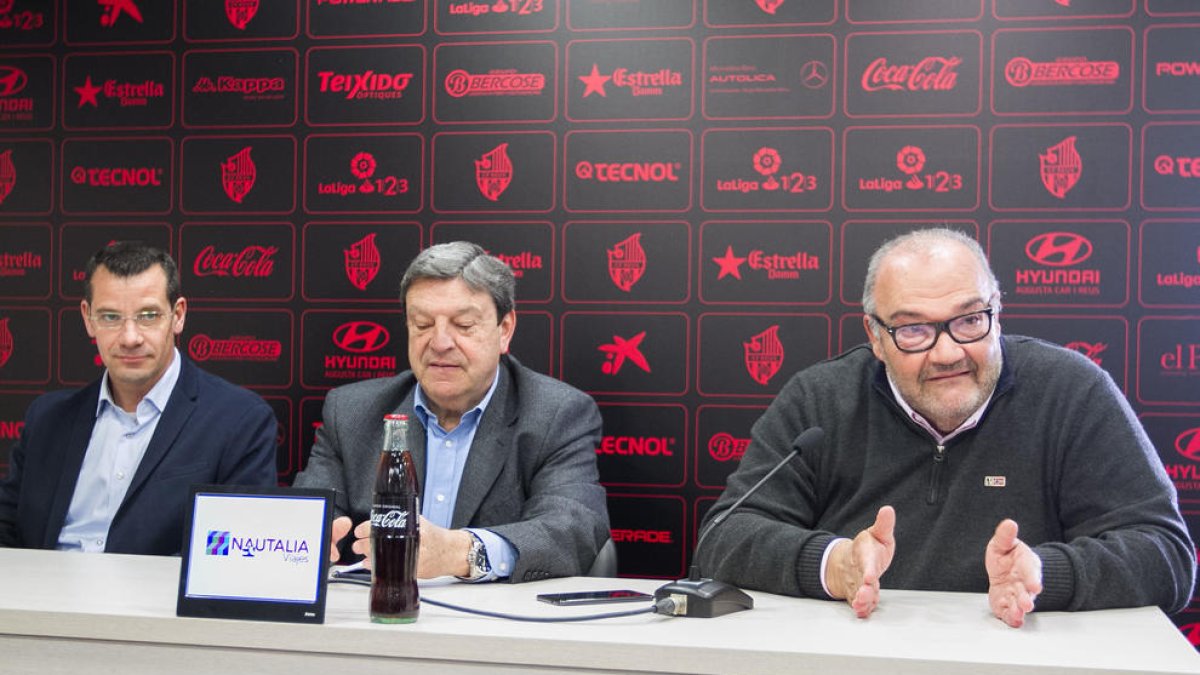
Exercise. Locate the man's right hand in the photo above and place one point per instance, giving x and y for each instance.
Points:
(855, 566)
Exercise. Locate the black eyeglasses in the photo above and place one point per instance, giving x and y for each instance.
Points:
(921, 337)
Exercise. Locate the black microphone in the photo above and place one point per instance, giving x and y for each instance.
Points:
(706, 598)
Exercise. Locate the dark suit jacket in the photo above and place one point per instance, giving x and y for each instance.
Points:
(210, 432)
(530, 476)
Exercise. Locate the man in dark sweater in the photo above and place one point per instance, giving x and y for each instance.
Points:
(941, 437)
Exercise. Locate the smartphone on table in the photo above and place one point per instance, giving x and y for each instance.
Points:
(594, 597)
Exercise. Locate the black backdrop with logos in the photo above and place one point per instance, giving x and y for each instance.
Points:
(687, 190)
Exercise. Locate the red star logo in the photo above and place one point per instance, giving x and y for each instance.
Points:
(87, 93)
(594, 81)
(730, 264)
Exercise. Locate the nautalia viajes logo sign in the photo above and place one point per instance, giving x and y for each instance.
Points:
(226, 543)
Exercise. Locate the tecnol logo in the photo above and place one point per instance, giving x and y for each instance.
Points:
(1187, 443)
(1059, 249)
(360, 337)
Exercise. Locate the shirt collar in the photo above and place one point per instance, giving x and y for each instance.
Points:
(158, 395)
(424, 414)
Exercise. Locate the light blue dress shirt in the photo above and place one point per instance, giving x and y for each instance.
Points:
(119, 440)
(445, 458)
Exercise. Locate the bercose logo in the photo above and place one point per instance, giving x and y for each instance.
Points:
(460, 83)
(360, 337)
(627, 262)
(1022, 72)
(724, 447)
(763, 355)
(1187, 443)
(236, 348)
(362, 262)
(8, 175)
(1059, 249)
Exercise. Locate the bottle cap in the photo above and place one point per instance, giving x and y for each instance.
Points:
(394, 416)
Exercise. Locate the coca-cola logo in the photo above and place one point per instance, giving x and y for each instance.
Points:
(1058, 249)
(252, 261)
(360, 337)
(1188, 443)
(724, 447)
(932, 73)
(392, 519)
(369, 84)
(12, 80)
(227, 84)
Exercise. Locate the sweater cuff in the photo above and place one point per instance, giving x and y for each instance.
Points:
(808, 566)
(1058, 580)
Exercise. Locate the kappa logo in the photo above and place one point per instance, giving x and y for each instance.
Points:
(494, 172)
(763, 355)
(8, 175)
(12, 81)
(362, 262)
(621, 350)
(1061, 166)
(1059, 249)
(111, 10)
(240, 12)
(7, 342)
(768, 6)
(1092, 350)
(238, 173)
(360, 337)
(1187, 443)
(627, 262)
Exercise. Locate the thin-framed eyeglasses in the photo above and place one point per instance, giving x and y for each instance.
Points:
(143, 320)
(964, 329)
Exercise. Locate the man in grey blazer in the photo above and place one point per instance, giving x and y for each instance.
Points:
(505, 456)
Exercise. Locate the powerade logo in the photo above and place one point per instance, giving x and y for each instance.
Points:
(224, 543)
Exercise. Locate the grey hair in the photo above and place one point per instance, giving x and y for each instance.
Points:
(469, 262)
(919, 241)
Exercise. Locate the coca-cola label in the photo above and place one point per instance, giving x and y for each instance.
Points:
(238, 174)
(237, 262)
(390, 518)
(934, 73)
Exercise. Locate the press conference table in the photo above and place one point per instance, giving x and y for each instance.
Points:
(73, 613)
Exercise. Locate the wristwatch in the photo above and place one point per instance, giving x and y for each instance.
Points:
(477, 560)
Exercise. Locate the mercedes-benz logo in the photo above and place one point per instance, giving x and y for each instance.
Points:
(814, 74)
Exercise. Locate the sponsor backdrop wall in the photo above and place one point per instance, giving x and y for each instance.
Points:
(686, 189)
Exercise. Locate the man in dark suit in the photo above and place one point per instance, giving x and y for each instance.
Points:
(506, 457)
(107, 467)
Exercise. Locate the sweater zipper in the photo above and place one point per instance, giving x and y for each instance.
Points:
(939, 457)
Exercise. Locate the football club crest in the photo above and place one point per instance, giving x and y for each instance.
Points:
(494, 172)
(238, 174)
(769, 6)
(362, 262)
(627, 262)
(1061, 167)
(240, 12)
(6, 342)
(8, 174)
(763, 355)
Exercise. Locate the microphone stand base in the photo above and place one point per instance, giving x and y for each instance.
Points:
(704, 598)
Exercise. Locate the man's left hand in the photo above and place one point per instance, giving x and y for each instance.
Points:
(1014, 575)
(443, 552)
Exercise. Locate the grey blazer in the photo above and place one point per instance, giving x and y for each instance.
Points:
(530, 476)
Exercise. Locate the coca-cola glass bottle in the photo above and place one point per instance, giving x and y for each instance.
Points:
(395, 539)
